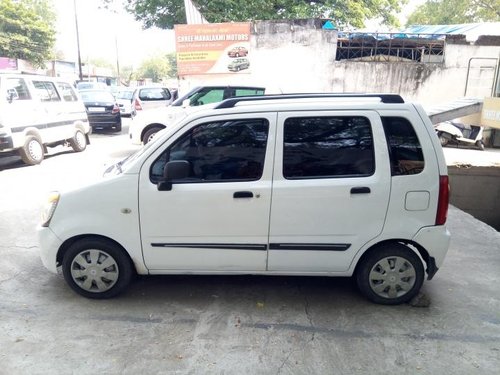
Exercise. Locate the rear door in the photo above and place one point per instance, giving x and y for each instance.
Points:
(331, 189)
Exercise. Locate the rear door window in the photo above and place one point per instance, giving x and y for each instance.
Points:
(46, 91)
(325, 147)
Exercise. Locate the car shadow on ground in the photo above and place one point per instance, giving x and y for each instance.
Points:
(186, 289)
(15, 162)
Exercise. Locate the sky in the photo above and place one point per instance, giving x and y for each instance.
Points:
(108, 35)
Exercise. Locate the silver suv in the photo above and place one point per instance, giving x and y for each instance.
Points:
(312, 185)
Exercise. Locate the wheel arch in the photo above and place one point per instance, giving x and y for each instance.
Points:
(412, 245)
(151, 126)
(70, 241)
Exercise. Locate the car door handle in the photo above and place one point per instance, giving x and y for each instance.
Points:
(243, 194)
(360, 190)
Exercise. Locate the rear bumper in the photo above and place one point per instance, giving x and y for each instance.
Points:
(436, 241)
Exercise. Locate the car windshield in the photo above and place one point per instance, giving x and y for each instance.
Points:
(126, 94)
(97, 96)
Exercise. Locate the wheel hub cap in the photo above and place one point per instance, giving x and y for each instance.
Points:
(392, 277)
(94, 271)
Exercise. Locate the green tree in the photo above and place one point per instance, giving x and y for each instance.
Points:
(157, 68)
(450, 12)
(27, 30)
(166, 13)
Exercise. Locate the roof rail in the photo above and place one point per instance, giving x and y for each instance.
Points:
(385, 98)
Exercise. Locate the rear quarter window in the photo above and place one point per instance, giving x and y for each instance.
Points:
(405, 149)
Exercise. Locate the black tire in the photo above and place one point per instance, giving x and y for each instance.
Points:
(385, 272)
(97, 268)
(32, 151)
(79, 142)
(149, 134)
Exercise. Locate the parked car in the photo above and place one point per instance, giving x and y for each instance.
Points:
(238, 64)
(125, 99)
(305, 184)
(147, 124)
(102, 110)
(149, 97)
(237, 52)
(37, 112)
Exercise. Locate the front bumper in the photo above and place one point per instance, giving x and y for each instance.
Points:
(6, 143)
(49, 246)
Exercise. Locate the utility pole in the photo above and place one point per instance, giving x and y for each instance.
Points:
(78, 43)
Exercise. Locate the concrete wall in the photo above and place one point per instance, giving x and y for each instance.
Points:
(286, 56)
(427, 83)
(476, 190)
(299, 56)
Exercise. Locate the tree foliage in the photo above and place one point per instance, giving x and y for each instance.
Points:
(166, 13)
(158, 67)
(451, 12)
(27, 30)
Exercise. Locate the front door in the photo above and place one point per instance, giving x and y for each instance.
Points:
(216, 219)
(331, 189)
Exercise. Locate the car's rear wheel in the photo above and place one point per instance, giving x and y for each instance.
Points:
(150, 134)
(78, 143)
(390, 274)
(32, 152)
(97, 268)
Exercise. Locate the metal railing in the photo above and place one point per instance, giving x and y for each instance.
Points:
(391, 47)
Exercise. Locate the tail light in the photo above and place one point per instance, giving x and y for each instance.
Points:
(137, 105)
(443, 200)
(115, 109)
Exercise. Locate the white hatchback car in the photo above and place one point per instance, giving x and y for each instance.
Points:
(305, 184)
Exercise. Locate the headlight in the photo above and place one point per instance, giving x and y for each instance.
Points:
(49, 208)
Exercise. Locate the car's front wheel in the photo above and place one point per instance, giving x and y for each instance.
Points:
(97, 268)
(150, 134)
(390, 274)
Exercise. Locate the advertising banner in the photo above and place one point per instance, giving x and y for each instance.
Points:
(215, 48)
(490, 115)
(8, 64)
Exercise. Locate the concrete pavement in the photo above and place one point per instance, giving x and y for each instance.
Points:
(233, 325)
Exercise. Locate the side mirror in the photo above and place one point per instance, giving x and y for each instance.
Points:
(174, 170)
(186, 103)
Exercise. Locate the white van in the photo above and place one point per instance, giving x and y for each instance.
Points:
(37, 112)
(316, 185)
